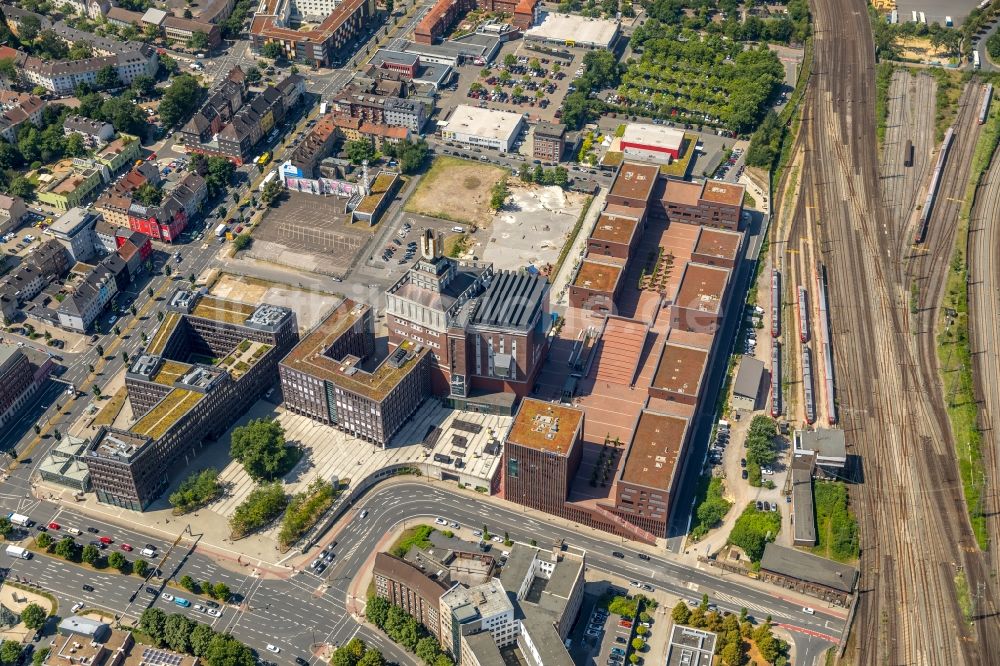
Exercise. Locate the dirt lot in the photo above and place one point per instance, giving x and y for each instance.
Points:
(309, 232)
(457, 190)
(309, 306)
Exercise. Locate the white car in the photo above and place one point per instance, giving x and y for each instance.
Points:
(273, 648)
(635, 583)
(167, 597)
(456, 526)
(77, 606)
(440, 521)
(214, 612)
(477, 533)
(766, 470)
(200, 608)
(810, 611)
(497, 539)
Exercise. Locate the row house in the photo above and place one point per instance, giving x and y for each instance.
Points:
(18, 109)
(164, 222)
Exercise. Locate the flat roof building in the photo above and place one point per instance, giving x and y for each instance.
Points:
(808, 574)
(549, 141)
(487, 128)
(717, 247)
(746, 388)
(615, 235)
(679, 374)
(542, 454)
(690, 647)
(825, 448)
(633, 185)
(403, 584)
(324, 376)
(647, 481)
(596, 286)
(803, 508)
(714, 203)
(179, 401)
(701, 298)
(654, 143)
(574, 30)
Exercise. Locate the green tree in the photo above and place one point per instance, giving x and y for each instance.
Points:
(253, 75)
(260, 447)
(359, 150)
(44, 540)
(197, 490)
(412, 156)
(22, 187)
(10, 652)
(261, 506)
(140, 568)
(221, 591)
(272, 50)
(638, 644)
(152, 623)
(180, 100)
(177, 632)
(107, 77)
(373, 657)
(198, 41)
(33, 616)
(6, 527)
(74, 145)
(29, 27)
(224, 650)
(66, 548)
(188, 583)
(117, 561)
(201, 639)
(681, 613)
(376, 610)
(272, 192)
(91, 554)
(143, 85)
(427, 649)
(498, 194)
(510, 60)
(148, 195)
(8, 70)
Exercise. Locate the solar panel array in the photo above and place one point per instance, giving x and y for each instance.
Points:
(154, 657)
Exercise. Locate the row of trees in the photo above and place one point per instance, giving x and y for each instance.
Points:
(601, 70)
(711, 509)
(754, 529)
(180, 100)
(68, 549)
(765, 145)
(355, 653)
(404, 629)
(180, 634)
(499, 193)
(199, 489)
(218, 591)
(217, 172)
(305, 509)
(261, 507)
(557, 176)
(734, 633)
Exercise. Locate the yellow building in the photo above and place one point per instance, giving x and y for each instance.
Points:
(120, 153)
(69, 183)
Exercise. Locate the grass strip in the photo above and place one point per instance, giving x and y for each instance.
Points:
(954, 350)
(564, 252)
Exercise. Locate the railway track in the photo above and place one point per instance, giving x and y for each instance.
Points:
(984, 330)
(914, 529)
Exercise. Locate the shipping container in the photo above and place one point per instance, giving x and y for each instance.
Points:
(908, 154)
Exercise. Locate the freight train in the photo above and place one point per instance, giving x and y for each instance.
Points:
(925, 215)
(984, 106)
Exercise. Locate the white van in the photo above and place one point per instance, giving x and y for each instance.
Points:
(147, 552)
(458, 230)
(73, 531)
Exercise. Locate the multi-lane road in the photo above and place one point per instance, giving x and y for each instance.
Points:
(297, 612)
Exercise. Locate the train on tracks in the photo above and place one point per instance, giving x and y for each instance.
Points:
(803, 315)
(908, 154)
(826, 344)
(984, 106)
(807, 385)
(775, 303)
(925, 214)
(775, 379)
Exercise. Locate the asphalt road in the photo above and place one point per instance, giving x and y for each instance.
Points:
(306, 609)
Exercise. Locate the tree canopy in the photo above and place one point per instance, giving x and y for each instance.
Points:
(260, 447)
(180, 100)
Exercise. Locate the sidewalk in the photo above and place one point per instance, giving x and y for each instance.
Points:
(560, 282)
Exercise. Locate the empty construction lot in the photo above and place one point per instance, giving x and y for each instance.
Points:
(311, 233)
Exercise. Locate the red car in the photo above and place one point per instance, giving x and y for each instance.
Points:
(106, 540)
(127, 548)
(53, 526)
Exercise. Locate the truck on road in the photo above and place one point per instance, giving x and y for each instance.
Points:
(17, 551)
(19, 519)
(220, 230)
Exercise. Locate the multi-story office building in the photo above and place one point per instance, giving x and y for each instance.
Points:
(406, 586)
(19, 380)
(487, 331)
(331, 376)
(647, 481)
(714, 203)
(541, 455)
(320, 46)
(468, 611)
(549, 142)
(74, 229)
(181, 401)
(380, 109)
